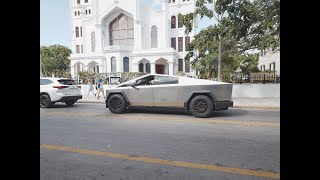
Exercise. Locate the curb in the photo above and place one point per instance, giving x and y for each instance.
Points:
(257, 107)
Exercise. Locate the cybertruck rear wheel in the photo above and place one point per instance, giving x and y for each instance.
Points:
(201, 106)
(117, 104)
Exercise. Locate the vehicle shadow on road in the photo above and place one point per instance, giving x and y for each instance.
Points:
(227, 113)
(61, 105)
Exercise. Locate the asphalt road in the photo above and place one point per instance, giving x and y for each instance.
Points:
(87, 141)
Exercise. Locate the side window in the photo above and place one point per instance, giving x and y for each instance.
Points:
(159, 80)
(145, 81)
(45, 81)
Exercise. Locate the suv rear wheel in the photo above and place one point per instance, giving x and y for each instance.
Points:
(201, 106)
(45, 101)
(117, 104)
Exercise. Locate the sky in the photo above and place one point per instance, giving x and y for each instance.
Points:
(55, 25)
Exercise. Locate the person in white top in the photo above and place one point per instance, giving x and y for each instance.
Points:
(100, 88)
(90, 88)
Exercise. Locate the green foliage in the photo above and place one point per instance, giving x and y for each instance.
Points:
(242, 25)
(180, 73)
(84, 76)
(54, 59)
(249, 64)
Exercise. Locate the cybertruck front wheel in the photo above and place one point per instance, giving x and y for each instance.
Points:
(117, 104)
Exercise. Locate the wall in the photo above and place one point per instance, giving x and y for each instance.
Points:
(256, 91)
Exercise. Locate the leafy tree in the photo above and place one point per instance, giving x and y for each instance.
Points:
(55, 60)
(254, 24)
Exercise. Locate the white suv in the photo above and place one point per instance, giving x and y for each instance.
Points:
(54, 90)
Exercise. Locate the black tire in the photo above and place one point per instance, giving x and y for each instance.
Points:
(45, 101)
(117, 104)
(70, 103)
(201, 106)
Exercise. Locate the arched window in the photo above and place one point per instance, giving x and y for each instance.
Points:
(173, 22)
(154, 37)
(75, 13)
(93, 41)
(148, 68)
(81, 31)
(141, 67)
(113, 64)
(78, 13)
(77, 31)
(121, 31)
(125, 64)
(86, 11)
(89, 11)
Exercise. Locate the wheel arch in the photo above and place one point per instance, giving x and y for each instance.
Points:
(117, 92)
(209, 94)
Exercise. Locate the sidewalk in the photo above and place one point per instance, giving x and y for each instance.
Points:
(272, 103)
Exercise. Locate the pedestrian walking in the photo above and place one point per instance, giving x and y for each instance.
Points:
(100, 88)
(90, 87)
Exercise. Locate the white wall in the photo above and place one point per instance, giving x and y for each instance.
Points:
(256, 91)
(238, 91)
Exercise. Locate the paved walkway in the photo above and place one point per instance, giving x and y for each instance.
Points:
(273, 103)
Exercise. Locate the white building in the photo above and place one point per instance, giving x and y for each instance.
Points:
(128, 36)
(269, 60)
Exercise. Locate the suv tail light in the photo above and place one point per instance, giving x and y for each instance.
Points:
(60, 87)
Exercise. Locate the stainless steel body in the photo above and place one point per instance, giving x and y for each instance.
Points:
(170, 91)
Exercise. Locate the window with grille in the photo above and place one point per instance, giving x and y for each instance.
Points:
(187, 42)
(180, 64)
(77, 49)
(173, 22)
(77, 31)
(113, 64)
(173, 43)
(187, 66)
(180, 44)
(154, 38)
(121, 31)
(125, 64)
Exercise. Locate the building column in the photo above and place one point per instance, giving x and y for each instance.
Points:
(72, 71)
(144, 67)
(153, 67)
(85, 68)
(171, 70)
(98, 42)
(135, 67)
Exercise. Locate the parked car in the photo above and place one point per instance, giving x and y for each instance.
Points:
(200, 97)
(54, 90)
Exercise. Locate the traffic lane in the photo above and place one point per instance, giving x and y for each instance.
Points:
(64, 165)
(241, 114)
(231, 146)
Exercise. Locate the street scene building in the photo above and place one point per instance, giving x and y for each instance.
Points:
(128, 36)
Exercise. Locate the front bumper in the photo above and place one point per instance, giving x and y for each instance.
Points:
(70, 98)
(223, 105)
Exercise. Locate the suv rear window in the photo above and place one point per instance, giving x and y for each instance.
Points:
(67, 82)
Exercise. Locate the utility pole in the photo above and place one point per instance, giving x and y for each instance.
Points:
(219, 59)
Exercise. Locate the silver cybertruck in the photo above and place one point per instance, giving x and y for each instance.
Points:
(157, 91)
